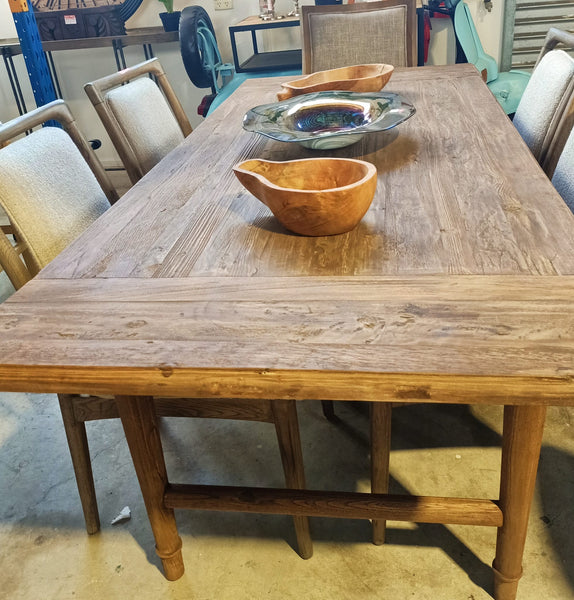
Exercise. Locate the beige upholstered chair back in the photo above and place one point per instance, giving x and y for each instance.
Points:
(557, 38)
(563, 178)
(47, 189)
(352, 34)
(546, 100)
(144, 120)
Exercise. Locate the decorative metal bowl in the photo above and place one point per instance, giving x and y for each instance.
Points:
(327, 120)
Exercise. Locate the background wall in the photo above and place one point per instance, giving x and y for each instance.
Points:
(75, 67)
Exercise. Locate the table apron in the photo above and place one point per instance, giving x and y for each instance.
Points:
(291, 385)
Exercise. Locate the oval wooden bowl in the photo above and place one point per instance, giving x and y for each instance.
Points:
(312, 196)
(358, 78)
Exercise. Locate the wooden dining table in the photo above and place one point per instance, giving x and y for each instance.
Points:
(456, 287)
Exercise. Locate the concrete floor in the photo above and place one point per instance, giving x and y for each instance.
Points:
(437, 450)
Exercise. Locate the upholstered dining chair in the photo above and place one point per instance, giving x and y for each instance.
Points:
(52, 187)
(144, 119)
(563, 177)
(352, 34)
(544, 115)
(37, 193)
(363, 33)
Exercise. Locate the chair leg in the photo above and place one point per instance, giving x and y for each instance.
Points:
(380, 454)
(287, 427)
(80, 453)
(328, 407)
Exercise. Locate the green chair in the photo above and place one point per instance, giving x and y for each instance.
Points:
(507, 87)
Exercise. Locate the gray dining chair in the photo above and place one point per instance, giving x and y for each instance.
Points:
(563, 177)
(141, 113)
(38, 193)
(363, 33)
(52, 187)
(351, 34)
(344, 35)
(545, 112)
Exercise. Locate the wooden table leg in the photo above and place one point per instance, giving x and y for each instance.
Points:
(380, 455)
(522, 439)
(140, 426)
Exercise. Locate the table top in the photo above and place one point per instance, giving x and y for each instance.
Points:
(455, 287)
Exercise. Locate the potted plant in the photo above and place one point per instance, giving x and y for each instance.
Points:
(169, 18)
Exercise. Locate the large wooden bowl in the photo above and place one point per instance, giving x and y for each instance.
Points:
(312, 196)
(358, 78)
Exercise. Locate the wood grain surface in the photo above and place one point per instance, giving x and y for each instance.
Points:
(421, 509)
(458, 193)
(432, 338)
(188, 286)
(357, 78)
(312, 197)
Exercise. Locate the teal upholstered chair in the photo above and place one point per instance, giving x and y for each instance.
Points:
(507, 87)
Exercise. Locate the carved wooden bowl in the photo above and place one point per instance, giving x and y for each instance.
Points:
(312, 196)
(358, 78)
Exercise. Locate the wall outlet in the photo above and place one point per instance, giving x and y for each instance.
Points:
(223, 4)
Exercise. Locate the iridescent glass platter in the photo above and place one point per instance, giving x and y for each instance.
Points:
(326, 120)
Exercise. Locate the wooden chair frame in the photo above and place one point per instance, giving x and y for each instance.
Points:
(553, 38)
(308, 11)
(78, 409)
(563, 121)
(96, 91)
